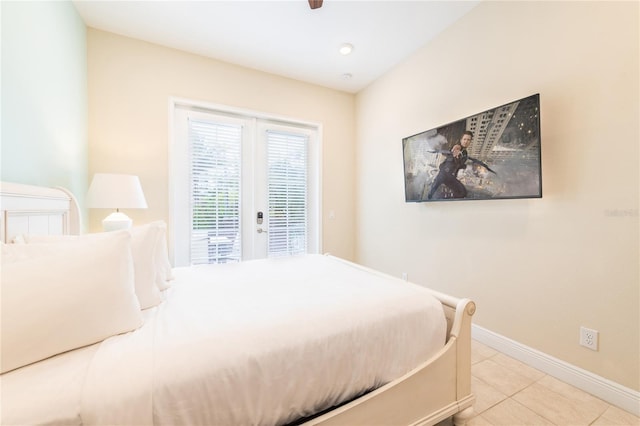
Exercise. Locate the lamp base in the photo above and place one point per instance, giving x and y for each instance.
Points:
(116, 221)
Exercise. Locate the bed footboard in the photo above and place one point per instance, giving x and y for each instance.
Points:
(435, 390)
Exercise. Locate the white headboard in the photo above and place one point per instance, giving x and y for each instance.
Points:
(27, 209)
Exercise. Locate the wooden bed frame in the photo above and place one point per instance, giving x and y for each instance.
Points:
(37, 210)
(437, 389)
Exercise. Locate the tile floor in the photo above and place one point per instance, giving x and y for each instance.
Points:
(511, 393)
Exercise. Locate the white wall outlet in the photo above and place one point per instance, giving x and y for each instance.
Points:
(589, 338)
(405, 276)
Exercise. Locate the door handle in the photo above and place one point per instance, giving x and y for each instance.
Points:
(260, 231)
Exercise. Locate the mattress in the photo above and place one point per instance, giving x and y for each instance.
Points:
(262, 342)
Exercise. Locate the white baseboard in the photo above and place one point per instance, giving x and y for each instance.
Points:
(607, 390)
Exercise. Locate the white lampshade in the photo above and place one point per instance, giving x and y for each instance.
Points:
(116, 191)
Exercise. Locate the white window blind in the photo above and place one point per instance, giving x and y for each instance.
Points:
(227, 166)
(215, 154)
(287, 157)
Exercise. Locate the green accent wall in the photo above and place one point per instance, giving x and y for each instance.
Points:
(44, 106)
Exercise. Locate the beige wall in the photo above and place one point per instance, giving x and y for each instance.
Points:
(130, 83)
(538, 269)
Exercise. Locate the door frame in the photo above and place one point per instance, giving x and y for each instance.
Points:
(177, 220)
(261, 193)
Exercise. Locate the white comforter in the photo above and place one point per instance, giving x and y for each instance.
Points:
(257, 343)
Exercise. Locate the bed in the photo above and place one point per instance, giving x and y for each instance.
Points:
(313, 340)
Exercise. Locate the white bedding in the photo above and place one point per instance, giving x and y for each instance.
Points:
(47, 392)
(260, 342)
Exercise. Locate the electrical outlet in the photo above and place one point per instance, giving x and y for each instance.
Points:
(405, 276)
(589, 338)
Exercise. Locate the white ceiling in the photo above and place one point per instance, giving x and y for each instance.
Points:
(285, 37)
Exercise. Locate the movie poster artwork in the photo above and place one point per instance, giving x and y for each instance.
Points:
(491, 155)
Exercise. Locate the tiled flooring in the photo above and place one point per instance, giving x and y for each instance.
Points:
(511, 393)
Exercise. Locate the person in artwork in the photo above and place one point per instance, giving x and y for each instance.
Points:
(448, 171)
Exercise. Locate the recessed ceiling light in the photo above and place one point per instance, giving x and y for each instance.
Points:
(346, 48)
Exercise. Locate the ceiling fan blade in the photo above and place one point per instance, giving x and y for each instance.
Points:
(315, 4)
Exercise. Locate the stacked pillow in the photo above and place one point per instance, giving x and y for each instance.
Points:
(58, 297)
(62, 292)
(150, 258)
(164, 271)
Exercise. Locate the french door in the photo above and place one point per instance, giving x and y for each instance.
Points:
(243, 187)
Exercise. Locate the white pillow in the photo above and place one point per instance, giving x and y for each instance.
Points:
(143, 246)
(59, 297)
(164, 271)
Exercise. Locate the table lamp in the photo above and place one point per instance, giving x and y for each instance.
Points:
(116, 191)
